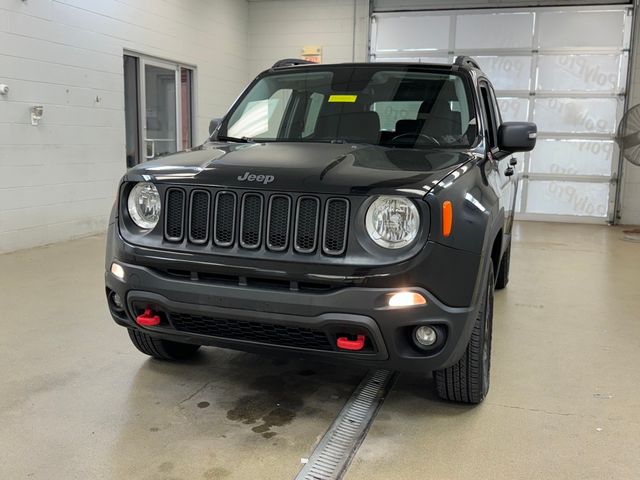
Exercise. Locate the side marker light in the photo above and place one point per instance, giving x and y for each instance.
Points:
(447, 218)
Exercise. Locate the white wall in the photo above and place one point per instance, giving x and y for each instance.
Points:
(280, 28)
(57, 180)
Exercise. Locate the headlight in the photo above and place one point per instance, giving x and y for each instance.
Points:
(144, 205)
(392, 222)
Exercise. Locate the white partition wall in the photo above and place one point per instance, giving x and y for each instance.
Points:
(564, 68)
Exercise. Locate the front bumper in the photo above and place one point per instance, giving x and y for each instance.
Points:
(254, 319)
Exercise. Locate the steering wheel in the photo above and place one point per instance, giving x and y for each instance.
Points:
(416, 136)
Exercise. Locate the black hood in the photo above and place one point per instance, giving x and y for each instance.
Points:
(306, 167)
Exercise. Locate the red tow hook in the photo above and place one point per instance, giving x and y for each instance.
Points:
(345, 344)
(148, 319)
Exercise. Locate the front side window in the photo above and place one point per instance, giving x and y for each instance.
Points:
(402, 107)
(261, 118)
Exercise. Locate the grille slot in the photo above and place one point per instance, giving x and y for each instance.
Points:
(225, 219)
(251, 220)
(278, 222)
(174, 216)
(199, 216)
(336, 221)
(306, 228)
(252, 331)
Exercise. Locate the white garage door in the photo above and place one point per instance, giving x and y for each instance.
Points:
(563, 68)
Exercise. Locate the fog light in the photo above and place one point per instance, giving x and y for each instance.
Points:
(406, 299)
(117, 300)
(425, 336)
(117, 270)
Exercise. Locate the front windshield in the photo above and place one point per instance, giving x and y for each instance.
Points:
(391, 106)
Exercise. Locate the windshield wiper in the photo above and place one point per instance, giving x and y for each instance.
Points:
(235, 139)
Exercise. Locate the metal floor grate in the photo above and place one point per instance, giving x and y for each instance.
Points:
(338, 446)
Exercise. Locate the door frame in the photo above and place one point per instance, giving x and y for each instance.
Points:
(143, 60)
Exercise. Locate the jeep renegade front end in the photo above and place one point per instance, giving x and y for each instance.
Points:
(359, 213)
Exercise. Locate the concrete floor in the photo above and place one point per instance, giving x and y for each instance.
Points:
(78, 401)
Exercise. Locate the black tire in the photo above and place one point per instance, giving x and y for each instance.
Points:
(468, 380)
(503, 272)
(160, 348)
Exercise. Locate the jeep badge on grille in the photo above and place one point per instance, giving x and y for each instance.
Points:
(250, 177)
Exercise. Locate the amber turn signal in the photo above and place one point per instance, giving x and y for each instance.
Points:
(447, 218)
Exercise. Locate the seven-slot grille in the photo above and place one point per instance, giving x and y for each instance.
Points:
(257, 220)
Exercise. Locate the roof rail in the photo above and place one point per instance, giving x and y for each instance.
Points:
(290, 62)
(464, 60)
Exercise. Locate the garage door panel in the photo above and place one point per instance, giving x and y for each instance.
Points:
(507, 72)
(564, 68)
(442, 60)
(508, 30)
(573, 157)
(417, 32)
(581, 73)
(576, 115)
(568, 198)
(514, 109)
(587, 29)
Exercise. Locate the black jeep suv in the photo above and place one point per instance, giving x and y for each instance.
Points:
(360, 213)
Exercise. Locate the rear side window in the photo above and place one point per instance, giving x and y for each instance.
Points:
(313, 111)
(490, 132)
(391, 112)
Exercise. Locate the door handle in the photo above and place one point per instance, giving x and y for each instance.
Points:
(151, 143)
(508, 172)
(513, 162)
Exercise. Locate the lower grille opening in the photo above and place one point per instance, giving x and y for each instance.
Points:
(317, 287)
(178, 273)
(281, 335)
(255, 282)
(217, 278)
(269, 283)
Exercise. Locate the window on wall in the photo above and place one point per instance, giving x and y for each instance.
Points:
(158, 108)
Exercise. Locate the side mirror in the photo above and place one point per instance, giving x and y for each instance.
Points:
(517, 136)
(213, 125)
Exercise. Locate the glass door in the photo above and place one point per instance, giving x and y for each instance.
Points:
(158, 107)
(160, 122)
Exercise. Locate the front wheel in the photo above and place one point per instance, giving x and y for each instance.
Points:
(467, 381)
(160, 348)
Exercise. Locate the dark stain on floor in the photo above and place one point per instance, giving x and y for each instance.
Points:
(216, 473)
(203, 404)
(280, 399)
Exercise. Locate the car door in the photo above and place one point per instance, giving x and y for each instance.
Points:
(499, 171)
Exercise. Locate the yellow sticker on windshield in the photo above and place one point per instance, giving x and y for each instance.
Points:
(343, 98)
